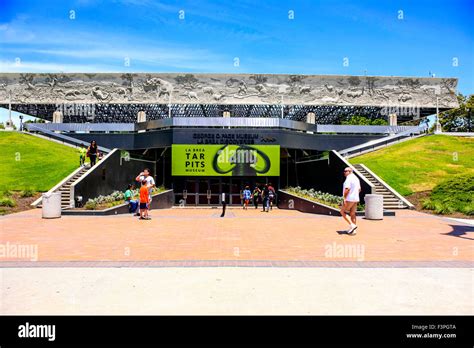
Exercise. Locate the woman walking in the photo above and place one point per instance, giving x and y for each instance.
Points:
(93, 152)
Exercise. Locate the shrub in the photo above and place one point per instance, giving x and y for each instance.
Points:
(27, 193)
(468, 209)
(452, 195)
(91, 204)
(427, 204)
(7, 202)
(7, 193)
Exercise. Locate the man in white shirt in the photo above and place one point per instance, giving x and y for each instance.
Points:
(351, 190)
(145, 175)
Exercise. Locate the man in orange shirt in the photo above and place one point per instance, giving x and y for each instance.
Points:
(144, 200)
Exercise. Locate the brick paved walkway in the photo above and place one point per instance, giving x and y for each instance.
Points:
(200, 238)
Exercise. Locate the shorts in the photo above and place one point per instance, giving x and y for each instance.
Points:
(143, 205)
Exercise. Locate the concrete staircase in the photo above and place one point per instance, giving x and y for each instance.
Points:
(391, 199)
(65, 188)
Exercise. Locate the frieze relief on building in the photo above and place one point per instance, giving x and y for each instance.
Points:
(30, 88)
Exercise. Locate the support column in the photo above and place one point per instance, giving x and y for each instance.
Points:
(226, 114)
(311, 119)
(141, 116)
(9, 122)
(57, 117)
(438, 129)
(392, 119)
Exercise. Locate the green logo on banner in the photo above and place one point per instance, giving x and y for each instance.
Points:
(226, 160)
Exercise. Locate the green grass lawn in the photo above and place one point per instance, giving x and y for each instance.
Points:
(29, 162)
(420, 164)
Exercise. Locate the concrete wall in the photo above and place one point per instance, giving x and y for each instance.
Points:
(289, 201)
(109, 175)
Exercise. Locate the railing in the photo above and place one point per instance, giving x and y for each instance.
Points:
(336, 128)
(378, 143)
(85, 127)
(40, 127)
(234, 122)
(225, 122)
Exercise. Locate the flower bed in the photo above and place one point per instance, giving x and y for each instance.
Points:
(320, 197)
(316, 196)
(115, 198)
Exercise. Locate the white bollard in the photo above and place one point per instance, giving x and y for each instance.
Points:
(373, 207)
(51, 205)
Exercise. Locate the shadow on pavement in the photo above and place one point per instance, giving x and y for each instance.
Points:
(461, 231)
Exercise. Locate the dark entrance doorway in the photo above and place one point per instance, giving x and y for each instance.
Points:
(207, 191)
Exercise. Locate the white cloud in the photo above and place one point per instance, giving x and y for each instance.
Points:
(76, 50)
(10, 66)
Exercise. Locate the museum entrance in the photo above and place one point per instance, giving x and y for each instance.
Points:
(193, 191)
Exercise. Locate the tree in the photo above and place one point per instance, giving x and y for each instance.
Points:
(379, 122)
(36, 120)
(458, 119)
(364, 121)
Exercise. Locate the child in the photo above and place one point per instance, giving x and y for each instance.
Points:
(128, 197)
(247, 195)
(82, 155)
(144, 200)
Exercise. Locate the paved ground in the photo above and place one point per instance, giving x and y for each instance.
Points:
(242, 236)
(224, 290)
(191, 261)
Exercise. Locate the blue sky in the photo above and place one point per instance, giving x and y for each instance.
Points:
(399, 38)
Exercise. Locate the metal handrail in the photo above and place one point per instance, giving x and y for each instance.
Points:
(382, 141)
(62, 137)
(234, 122)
